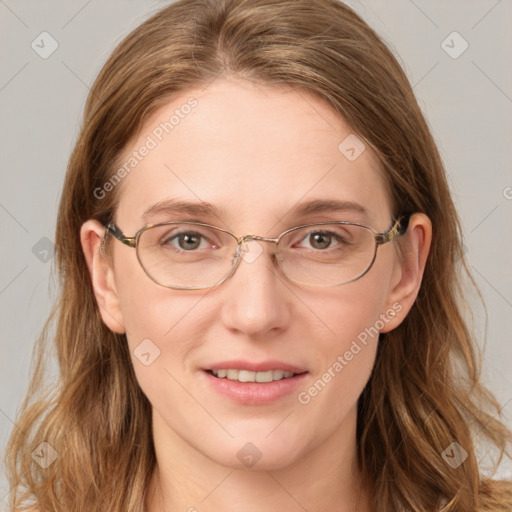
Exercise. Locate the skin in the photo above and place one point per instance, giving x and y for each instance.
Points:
(255, 151)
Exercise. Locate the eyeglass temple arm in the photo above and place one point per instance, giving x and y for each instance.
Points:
(115, 231)
(398, 228)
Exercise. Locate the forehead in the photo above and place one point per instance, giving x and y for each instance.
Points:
(255, 153)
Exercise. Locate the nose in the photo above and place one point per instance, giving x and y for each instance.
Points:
(256, 297)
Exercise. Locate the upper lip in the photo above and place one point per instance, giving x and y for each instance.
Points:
(252, 366)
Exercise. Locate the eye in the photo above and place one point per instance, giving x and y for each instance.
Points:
(321, 240)
(186, 240)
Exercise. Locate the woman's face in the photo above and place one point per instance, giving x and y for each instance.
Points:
(256, 154)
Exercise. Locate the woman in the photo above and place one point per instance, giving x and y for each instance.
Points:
(319, 363)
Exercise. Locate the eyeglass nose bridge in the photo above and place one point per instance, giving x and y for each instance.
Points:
(241, 240)
(246, 238)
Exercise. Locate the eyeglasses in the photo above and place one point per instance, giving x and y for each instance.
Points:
(194, 255)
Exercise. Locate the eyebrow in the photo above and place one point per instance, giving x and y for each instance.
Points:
(202, 208)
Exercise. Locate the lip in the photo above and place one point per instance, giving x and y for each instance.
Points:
(255, 393)
(251, 366)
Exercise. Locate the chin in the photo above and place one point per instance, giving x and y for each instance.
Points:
(256, 452)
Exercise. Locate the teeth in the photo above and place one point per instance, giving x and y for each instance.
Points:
(247, 376)
(232, 374)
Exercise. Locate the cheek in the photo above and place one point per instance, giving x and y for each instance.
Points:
(344, 358)
(352, 311)
(163, 334)
(155, 318)
(148, 309)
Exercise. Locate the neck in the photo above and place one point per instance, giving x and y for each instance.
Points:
(326, 478)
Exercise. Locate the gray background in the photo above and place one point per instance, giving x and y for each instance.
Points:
(467, 101)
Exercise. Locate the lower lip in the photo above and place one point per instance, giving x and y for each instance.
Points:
(255, 393)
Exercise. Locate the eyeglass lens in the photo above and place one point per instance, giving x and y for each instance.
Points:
(189, 255)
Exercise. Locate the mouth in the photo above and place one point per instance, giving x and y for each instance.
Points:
(240, 375)
(249, 383)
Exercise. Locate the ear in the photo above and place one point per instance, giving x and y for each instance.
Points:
(408, 271)
(102, 275)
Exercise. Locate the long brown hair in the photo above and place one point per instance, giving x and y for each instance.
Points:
(424, 392)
